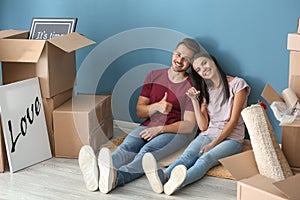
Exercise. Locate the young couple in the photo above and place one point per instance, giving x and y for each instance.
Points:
(175, 104)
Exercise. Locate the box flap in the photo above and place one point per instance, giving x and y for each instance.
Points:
(242, 165)
(263, 185)
(270, 95)
(290, 186)
(9, 33)
(295, 123)
(71, 42)
(21, 50)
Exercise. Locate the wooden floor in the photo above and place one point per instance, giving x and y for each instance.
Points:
(59, 178)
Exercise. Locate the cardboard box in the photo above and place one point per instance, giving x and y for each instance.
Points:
(294, 74)
(49, 105)
(293, 42)
(291, 144)
(251, 185)
(290, 141)
(85, 119)
(53, 60)
(298, 30)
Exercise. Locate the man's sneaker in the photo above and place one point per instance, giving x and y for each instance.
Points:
(107, 175)
(88, 165)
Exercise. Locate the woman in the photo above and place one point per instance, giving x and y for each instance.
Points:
(219, 119)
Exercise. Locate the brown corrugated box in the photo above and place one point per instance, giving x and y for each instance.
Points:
(294, 74)
(53, 60)
(85, 119)
(49, 105)
(298, 25)
(251, 185)
(290, 141)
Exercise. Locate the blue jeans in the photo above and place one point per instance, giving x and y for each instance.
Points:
(127, 159)
(198, 164)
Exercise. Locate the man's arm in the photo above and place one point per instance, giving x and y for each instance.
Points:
(144, 109)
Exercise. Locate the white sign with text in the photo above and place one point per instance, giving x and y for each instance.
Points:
(23, 123)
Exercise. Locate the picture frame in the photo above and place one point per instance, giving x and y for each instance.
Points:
(24, 124)
(47, 28)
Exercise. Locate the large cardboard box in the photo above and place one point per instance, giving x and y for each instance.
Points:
(251, 185)
(49, 105)
(85, 119)
(290, 140)
(53, 60)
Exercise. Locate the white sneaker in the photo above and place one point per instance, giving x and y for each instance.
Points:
(150, 168)
(177, 177)
(88, 166)
(107, 176)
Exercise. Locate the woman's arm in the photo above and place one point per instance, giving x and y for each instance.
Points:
(201, 114)
(238, 102)
(200, 110)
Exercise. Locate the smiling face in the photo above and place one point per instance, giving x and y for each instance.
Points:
(181, 58)
(205, 67)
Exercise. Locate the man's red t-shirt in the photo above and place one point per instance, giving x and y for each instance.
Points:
(155, 85)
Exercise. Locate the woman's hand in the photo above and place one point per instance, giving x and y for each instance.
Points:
(207, 147)
(149, 133)
(193, 93)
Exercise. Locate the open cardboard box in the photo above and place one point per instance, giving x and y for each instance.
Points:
(251, 185)
(53, 60)
(290, 131)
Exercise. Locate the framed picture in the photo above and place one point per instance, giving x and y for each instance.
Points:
(47, 28)
(23, 123)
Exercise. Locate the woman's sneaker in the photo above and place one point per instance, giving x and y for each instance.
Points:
(151, 170)
(177, 177)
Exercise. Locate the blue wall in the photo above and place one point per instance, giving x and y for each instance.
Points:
(248, 38)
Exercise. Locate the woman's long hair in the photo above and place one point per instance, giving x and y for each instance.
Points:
(200, 84)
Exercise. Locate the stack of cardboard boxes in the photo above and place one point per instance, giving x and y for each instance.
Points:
(54, 62)
(251, 184)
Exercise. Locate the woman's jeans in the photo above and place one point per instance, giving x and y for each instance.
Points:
(127, 158)
(198, 164)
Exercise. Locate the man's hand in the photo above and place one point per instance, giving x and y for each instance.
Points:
(164, 107)
(149, 133)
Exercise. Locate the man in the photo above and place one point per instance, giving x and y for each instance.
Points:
(169, 126)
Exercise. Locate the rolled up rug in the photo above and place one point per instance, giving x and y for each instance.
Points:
(270, 159)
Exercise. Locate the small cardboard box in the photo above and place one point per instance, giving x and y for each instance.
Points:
(294, 74)
(290, 141)
(85, 119)
(298, 25)
(49, 105)
(251, 185)
(293, 42)
(53, 60)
